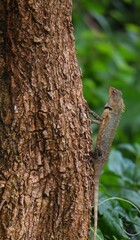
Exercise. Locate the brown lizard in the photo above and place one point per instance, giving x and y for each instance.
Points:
(108, 123)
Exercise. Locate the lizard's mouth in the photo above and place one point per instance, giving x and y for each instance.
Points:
(108, 107)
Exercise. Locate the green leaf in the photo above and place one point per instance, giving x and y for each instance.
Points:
(109, 221)
(131, 195)
(128, 147)
(102, 21)
(116, 162)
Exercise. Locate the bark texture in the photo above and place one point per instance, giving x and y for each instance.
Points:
(45, 137)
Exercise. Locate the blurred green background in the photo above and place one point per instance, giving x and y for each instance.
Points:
(107, 37)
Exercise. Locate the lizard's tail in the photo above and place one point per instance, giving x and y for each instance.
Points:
(96, 186)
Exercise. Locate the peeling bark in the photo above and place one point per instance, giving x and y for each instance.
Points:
(45, 135)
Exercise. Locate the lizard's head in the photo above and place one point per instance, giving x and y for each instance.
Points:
(115, 101)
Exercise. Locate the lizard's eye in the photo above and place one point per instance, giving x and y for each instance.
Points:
(114, 92)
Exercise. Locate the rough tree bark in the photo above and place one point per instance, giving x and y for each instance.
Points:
(45, 135)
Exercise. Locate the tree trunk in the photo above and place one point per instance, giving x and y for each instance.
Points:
(45, 135)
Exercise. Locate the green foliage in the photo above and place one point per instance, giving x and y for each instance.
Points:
(121, 177)
(108, 46)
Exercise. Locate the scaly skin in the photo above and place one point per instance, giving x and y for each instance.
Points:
(111, 117)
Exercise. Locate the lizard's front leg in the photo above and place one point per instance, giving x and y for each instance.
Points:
(96, 116)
